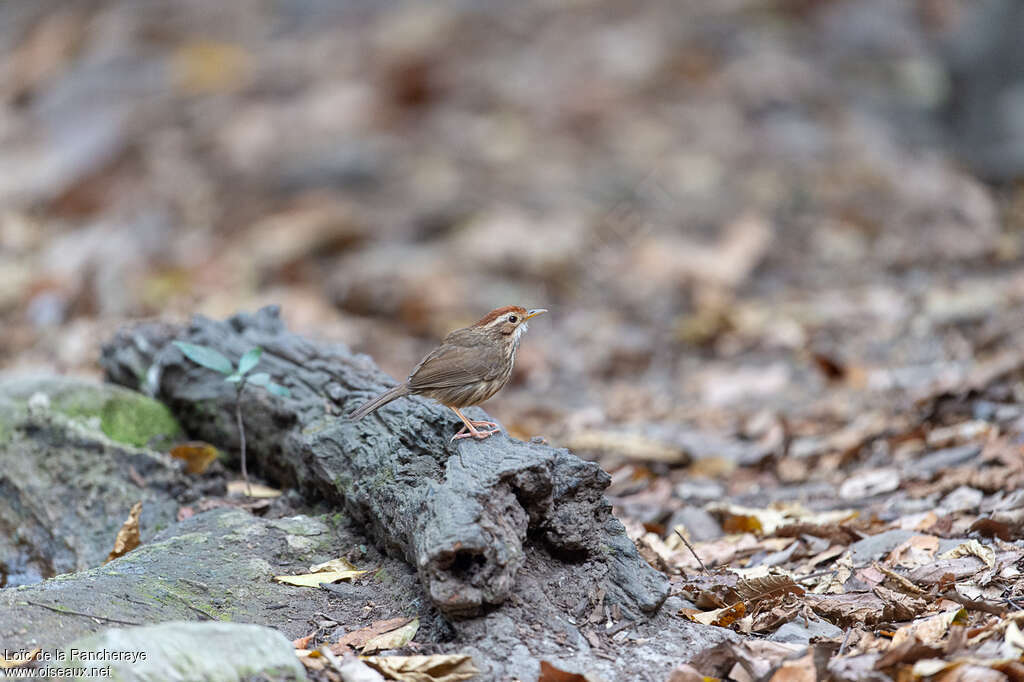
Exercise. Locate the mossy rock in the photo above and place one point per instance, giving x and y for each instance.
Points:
(120, 414)
(218, 652)
(9, 415)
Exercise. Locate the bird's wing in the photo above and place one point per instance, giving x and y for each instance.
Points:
(450, 365)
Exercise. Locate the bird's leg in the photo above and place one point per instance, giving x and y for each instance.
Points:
(471, 426)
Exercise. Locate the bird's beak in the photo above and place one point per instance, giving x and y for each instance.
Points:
(535, 312)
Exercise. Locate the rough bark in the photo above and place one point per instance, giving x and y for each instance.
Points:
(467, 515)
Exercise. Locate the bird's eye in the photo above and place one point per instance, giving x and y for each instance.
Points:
(513, 319)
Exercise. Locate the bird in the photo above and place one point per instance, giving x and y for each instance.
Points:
(469, 367)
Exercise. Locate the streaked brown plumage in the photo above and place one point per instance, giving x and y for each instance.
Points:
(469, 366)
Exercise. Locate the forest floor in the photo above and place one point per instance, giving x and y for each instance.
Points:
(785, 317)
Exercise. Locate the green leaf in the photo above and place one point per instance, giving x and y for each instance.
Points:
(206, 357)
(259, 379)
(249, 360)
(234, 378)
(278, 389)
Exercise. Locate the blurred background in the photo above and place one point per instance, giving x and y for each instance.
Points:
(754, 221)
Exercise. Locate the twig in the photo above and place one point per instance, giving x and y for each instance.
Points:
(68, 612)
(198, 610)
(846, 639)
(811, 576)
(241, 435)
(827, 571)
(984, 606)
(694, 553)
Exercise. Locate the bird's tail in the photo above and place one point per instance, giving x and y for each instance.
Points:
(381, 400)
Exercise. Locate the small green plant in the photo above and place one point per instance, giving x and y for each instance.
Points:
(240, 376)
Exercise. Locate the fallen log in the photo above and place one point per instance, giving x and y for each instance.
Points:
(467, 514)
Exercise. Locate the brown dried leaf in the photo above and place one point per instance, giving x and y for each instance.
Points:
(717, 552)
(303, 642)
(830, 553)
(836, 532)
(356, 639)
(1014, 670)
(198, 456)
(929, 630)
(394, 639)
(964, 432)
(128, 537)
(684, 672)
(797, 670)
(990, 527)
(17, 659)
(846, 610)
(657, 553)
(712, 590)
(955, 569)
(206, 66)
(723, 617)
(955, 671)
(737, 518)
(552, 673)
(750, 659)
(436, 668)
(252, 490)
(909, 652)
(900, 606)
(768, 621)
(774, 587)
(898, 581)
(311, 660)
(972, 548)
(916, 551)
(1013, 642)
(869, 483)
(835, 583)
(328, 572)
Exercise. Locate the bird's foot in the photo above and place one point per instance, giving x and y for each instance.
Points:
(466, 432)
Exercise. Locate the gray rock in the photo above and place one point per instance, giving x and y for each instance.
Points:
(800, 631)
(674, 603)
(218, 565)
(949, 544)
(877, 546)
(213, 652)
(699, 490)
(940, 459)
(72, 457)
(857, 669)
(962, 499)
(700, 525)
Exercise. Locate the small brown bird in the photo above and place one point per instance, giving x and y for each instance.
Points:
(469, 366)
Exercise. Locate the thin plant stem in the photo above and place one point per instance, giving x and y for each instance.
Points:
(241, 436)
(692, 551)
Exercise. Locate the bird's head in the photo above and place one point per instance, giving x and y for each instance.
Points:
(509, 321)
